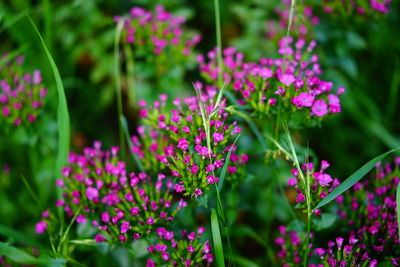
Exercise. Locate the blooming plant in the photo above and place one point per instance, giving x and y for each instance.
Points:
(362, 8)
(187, 153)
(157, 33)
(187, 251)
(369, 234)
(287, 87)
(321, 183)
(123, 206)
(22, 94)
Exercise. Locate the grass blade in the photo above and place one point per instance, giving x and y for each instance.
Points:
(354, 178)
(398, 208)
(225, 167)
(244, 262)
(20, 237)
(219, 40)
(124, 126)
(219, 252)
(118, 86)
(62, 110)
(19, 256)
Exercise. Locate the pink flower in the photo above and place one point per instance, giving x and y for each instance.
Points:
(183, 144)
(265, 73)
(218, 137)
(197, 192)
(179, 188)
(303, 100)
(150, 220)
(99, 238)
(300, 198)
(81, 219)
(287, 79)
(41, 227)
(323, 178)
(125, 227)
(212, 179)
(319, 108)
(92, 193)
(292, 182)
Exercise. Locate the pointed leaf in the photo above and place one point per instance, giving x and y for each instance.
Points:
(219, 252)
(354, 178)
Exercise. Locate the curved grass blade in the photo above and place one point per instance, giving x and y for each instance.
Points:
(354, 178)
(118, 86)
(85, 242)
(62, 110)
(398, 208)
(225, 167)
(19, 256)
(124, 126)
(219, 252)
(244, 262)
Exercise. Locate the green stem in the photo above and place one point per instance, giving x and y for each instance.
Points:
(308, 239)
(130, 69)
(291, 14)
(118, 89)
(219, 41)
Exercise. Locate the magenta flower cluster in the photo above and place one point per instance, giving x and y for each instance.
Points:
(184, 149)
(360, 7)
(369, 231)
(289, 85)
(321, 183)
(370, 211)
(186, 251)
(21, 94)
(123, 206)
(158, 32)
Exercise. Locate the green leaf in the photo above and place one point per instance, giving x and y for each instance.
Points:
(118, 86)
(244, 262)
(19, 256)
(225, 167)
(354, 178)
(62, 110)
(325, 221)
(219, 252)
(398, 208)
(21, 237)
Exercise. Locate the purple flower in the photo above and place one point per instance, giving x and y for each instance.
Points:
(197, 192)
(92, 193)
(319, 108)
(218, 137)
(287, 79)
(323, 178)
(303, 100)
(99, 238)
(183, 144)
(41, 227)
(179, 188)
(300, 198)
(125, 227)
